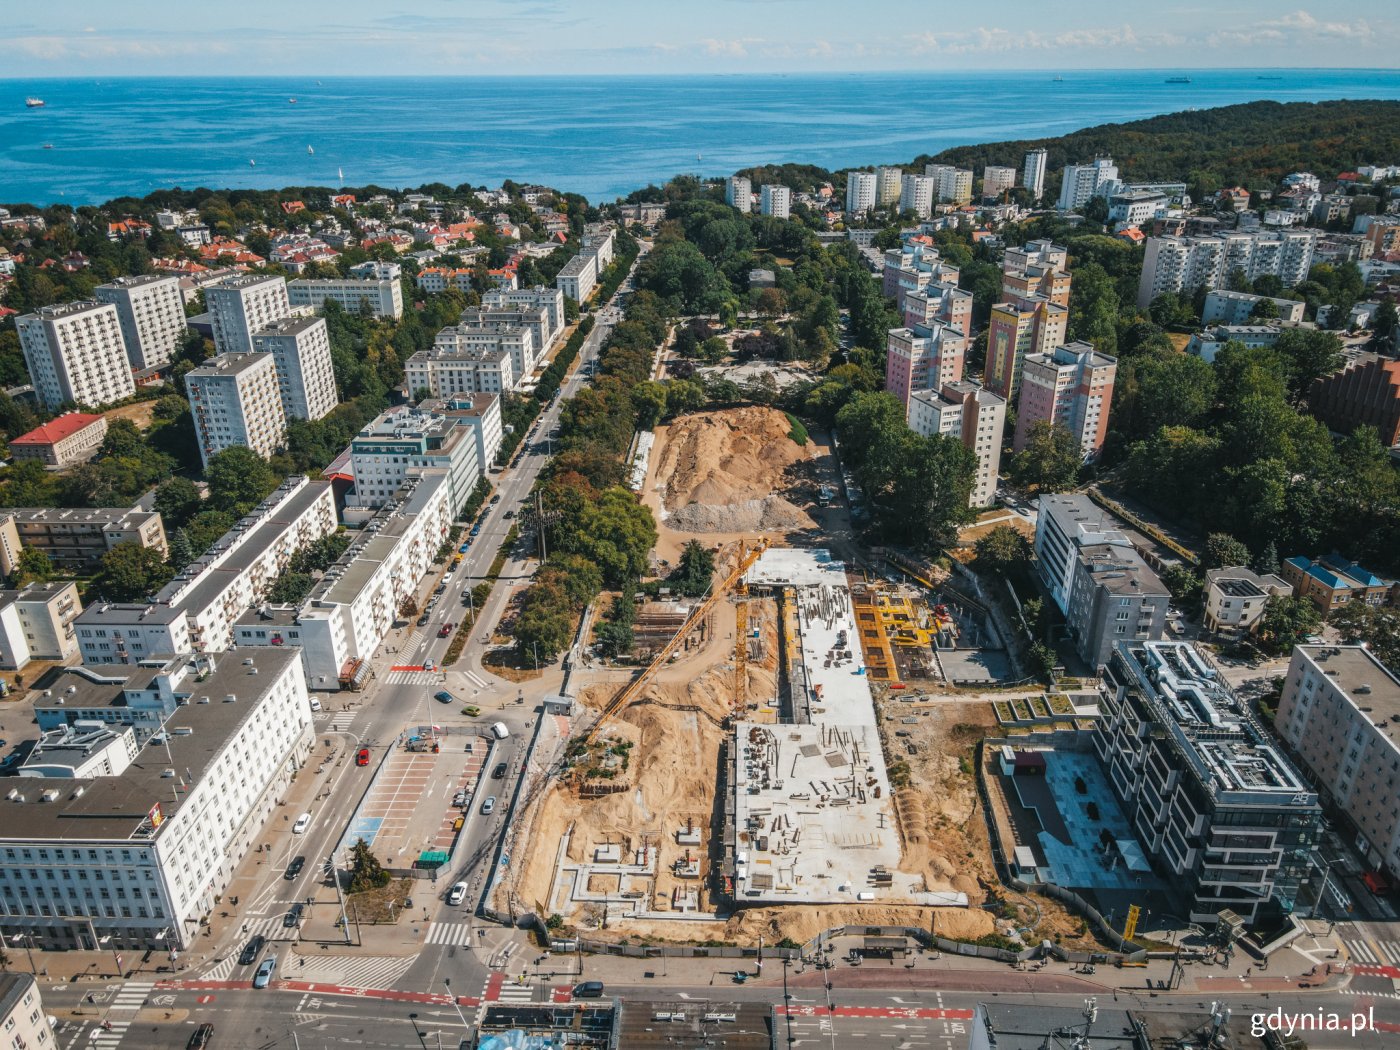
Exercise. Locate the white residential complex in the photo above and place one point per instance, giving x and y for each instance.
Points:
(237, 400)
(75, 352)
(301, 349)
(196, 610)
(917, 193)
(151, 310)
(887, 184)
(1080, 182)
(1338, 712)
(550, 300)
(738, 193)
(1183, 264)
(1033, 173)
(36, 623)
(351, 609)
(954, 183)
(385, 298)
(581, 273)
(775, 200)
(976, 417)
(469, 361)
(138, 860)
(997, 180)
(407, 440)
(241, 305)
(861, 191)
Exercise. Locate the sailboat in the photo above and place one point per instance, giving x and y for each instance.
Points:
(310, 150)
(252, 164)
(340, 174)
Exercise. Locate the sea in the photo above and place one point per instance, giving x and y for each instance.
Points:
(601, 136)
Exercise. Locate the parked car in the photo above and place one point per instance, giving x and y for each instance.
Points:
(263, 977)
(475, 531)
(495, 499)
(252, 950)
(201, 1037)
(510, 514)
(303, 822)
(488, 806)
(362, 757)
(293, 916)
(458, 893)
(460, 799)
(499, 771)
(315, 703)
(464, 548)
(499, 730)
(423, 620)
(294, 868)
(444, 697)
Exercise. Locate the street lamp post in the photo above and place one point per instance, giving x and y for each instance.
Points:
(447, 983)
(1322, 890)
(28, 941)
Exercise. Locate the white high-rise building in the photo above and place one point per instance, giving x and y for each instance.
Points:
(954, 184)
(1183, 264)
(301, 347)
(1033, 172)
(917, 193)
(997, 180)
(75, 352)
(152, 315)
(738, 193)
(1081, 182)
(237, 400)
(775, 200)
(972, 414)
(240, 306)
(861, 187)
(888, 184)
(385, 298)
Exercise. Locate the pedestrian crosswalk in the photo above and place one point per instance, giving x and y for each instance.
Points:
(411, 677)
(458, 933)
(221, 970)
(340, 721)
(128, 1000)
(475, 679)
(133, 995)
(372, 971)
(1376, 953)
(514, 992)
(109, 1036)
(410, 645)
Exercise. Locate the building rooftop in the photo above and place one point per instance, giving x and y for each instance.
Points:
(56, 430)
(1120, 570)
(62, 310)
(1241, 582)
(248, 280)
(35, 592)
(120, 808)
(1367, 682)
(289, 326)
(139, 281)
(1022, 1026)
(228, 365)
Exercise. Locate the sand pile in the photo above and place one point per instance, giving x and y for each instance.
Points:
(719, 472)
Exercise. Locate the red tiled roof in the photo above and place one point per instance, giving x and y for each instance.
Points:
(56, 430)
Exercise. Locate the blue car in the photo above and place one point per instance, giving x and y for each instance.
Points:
(444, 697)
(476, 530)
(464, 548)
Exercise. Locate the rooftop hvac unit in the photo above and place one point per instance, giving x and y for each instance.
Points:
(231, 698)
(49, 796)
(167, 774)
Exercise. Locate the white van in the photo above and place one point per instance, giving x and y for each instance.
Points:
(303, 822)
(499, 730)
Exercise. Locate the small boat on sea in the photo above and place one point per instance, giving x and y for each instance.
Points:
(1178, 80)
(311, 151)
(34, 103)
(291, 102)
(252, 164)
(48, 145)
(1057, 80)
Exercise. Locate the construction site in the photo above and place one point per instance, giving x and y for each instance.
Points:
(737, 786)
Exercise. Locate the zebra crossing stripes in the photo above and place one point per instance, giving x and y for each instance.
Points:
(373, 971)
(1360, 951)
(510, 992)
(132, 995)
(474, 678)
(458, 933)
(221, 970)
(410, 677)
(1378, 953)
(109, 1038)
(410, 645)
(340, 721)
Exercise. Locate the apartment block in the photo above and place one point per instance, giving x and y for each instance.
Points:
(301, 350)
(775, 200)
(352, 607)
(71, 438)
(481, 413)
(1365, 393)
(550, 300)
(917, 193)
(36, 623)
(1072, 387)
(137, 861)
(404, 440)
(973, 415)
(913, 266)
(888, 183)
(1332, 581)
(923, 358)
(1183, 264)
(241, 306)
(1237, 308)
(738, 193)
(954, 183)
(482, 364)
(1040, 268)
(23, 1018)
(1133, 207)
(75, 538)
(1340, 713)
(237, 400)
(1033, 172)
(580, 274)
(862, 192)
(1079, 183)
(996, 180)
(151, 311)
(938, 302)
(384, 298)
(1015, 331)
(195, 611)
(1219, 810)
(1236, 597)
(440, 278)
(76, 353)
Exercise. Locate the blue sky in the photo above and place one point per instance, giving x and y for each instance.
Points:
(354, 37)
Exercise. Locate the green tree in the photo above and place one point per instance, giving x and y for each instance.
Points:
(1154, 391)
(1093, 308)
(1004, 551)
(695, 569)
(178, 500)
(181, 549)
(32, 566)
(1050, 460)
(1224, 551)
(1286, 622)
(1377, 626)
(1308, 355)
(649, 400)
(130, 572)
(239, 479)
(614, 639)
(366, 873)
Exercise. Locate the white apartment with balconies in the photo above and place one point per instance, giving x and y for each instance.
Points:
(76, 353)
(241, 306)
(237, 400)
(151, 310)
(301, 349)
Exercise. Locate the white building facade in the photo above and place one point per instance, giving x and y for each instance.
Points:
(76, 353)
(241, 305)
(861, 192)
(976, 417)
(152, 315)
(301, 350)
(237, 400)
(775, 200)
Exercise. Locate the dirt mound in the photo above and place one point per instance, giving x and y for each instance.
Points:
(719, 471)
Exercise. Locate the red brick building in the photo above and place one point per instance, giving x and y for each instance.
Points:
(1368, 392)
